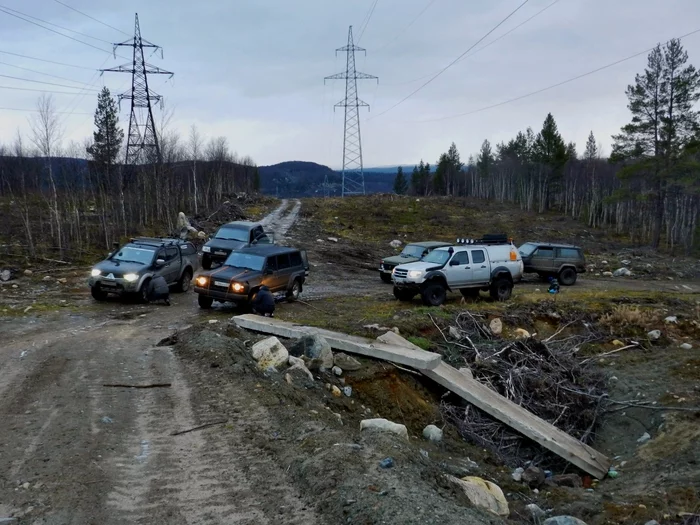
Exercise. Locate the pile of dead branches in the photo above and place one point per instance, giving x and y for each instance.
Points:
(229, 211)
(544, 376)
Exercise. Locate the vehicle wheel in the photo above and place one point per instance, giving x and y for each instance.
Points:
(142, 294)
(205, 302)
(434, 294)
(183, 285)
(97, 293)
(385, 278)
(293, 294)
(501, 289)
(470, 293)
(405, 296)
(567, 276)
(206, 262)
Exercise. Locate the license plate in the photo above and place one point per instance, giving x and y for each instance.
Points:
(108, 283)
(219, 253)
(221, 283)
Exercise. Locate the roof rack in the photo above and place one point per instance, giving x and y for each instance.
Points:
(489, 239)
(154, 241)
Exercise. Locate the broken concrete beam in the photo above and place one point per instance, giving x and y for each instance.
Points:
(413, 357)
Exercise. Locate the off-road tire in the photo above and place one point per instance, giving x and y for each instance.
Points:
(204, 302)
(185, 282)
(434, 294)
(385, 278)
(404, 295)
(97, 293)
(470, 293)
(501, 289)
(142, 294)
(206, 262)
(568, 276)
(293, 294)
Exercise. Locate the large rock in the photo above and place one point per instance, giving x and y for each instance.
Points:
(521, 333)
(483, 494)
(395, 243)
(534, 477)
(686, 346)
(654, 335)
(622, 272)
(346, 362)
(316, 351)
(496, 326)
(270, 353)
(296, 363)
(567, 480)
(384, 425)
(432, 433)
(564, 520)
(5, 275)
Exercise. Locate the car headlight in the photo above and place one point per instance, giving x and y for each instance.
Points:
(131, 277)
(237, 287)
(202, 281)
(415, 274)
(206, 249)
(95, 272)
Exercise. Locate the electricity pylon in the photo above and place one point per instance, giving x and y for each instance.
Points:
(142, 144)
(353, 170)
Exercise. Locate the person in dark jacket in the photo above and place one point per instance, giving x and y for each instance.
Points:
(264, 302)
(158, 290)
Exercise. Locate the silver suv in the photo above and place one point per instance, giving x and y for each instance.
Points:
(469, 268)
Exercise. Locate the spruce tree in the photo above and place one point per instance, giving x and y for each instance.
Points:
(400, 182)
(108, 136)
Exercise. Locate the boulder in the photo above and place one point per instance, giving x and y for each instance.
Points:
(332, 239)
(626, 262)
(603, 262)
(645, 437)
(622, 272)
(316, 351)
(346, 362)
(62, 280)
(654, 335)
(384, 425)
(336, 391)
(536, 512)
(395, 243)
(5, 275)
(432, 433)
(534, 477)
(47, 278)
(607, 274)
(483, 494)
(270, 353)
(296, 363)
(496, 326)
(28, 272)
(567, 480)
(686, 346)
(337, 371)
(521, 333)
(564, 520)
(517, 474)
(671, 319)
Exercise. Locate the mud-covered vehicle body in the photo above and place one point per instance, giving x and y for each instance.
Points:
(563, 261)
(281, 269)
(494, 267)
(412, 252)
(129, 269)
(231, 237)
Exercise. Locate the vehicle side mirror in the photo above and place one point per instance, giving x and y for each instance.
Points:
(160, 262)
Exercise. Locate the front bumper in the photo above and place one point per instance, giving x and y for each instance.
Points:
(386, 268)
(220, 295)
(117, 286)
(406, 284)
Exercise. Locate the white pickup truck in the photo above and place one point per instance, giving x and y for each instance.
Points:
(469, 268)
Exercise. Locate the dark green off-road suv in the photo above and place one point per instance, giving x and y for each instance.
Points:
(562, 261)
(412, 252)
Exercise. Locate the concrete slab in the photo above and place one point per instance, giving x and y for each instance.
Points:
(413, 357)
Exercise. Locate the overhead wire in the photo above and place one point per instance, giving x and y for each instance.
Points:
(92, 18)
(47, 61)
(40, 90)
(36, 111)
(415, 19)
(42, 73)
(448, 66)
(39, 82)
(368, 17)
(563, 82)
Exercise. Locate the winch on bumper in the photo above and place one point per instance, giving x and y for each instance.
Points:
(117, 285)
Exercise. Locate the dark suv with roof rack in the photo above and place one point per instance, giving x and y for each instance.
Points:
(231, 237)
(563, 261)
(281, 269)
(129, 269)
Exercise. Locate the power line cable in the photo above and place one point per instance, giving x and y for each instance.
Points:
(92, 18)
(484, 46)
(406, 28)
(47, 61)
(368, 18)
(448, 66)
(40, 82)
(36, 111)
(42, 73)
(56, 25)
(40, 90)
(2, 10)
(572, 79)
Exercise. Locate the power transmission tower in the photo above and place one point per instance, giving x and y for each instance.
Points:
(142, 144)
(353, 174)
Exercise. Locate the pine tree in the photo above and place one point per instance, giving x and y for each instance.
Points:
(550, 151)
(415, 179)
(663, 124)
(108, 137)
(441, 175)
(591, 152)
(400, 182)
(256, 179)
(484, 163)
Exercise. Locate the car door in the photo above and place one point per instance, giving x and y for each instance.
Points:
(172, 264)
(480, 268)
(284, 272)
(543, 259)
(459, 270)
(270, 272)
(161, 271)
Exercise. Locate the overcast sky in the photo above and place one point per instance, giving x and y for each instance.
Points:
(252, 70)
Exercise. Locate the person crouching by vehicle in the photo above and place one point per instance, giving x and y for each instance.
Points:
(264, 302)
(158, 290)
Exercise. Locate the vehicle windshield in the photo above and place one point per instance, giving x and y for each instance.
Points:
(232, 234)
(527, 249)
(411, 250)
(245, 260)
(133, 254)
(437, 257)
